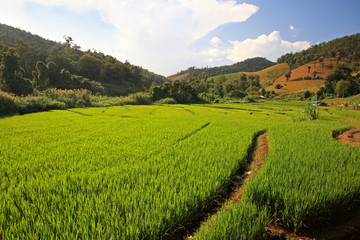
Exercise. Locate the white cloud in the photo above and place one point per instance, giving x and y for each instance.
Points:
(213, 52)
(12, 8)
(215, 41)
(292, 28)
(270, 46)
(153, 33)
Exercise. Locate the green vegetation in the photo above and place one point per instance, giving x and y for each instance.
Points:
(345, 47)
(29, 62)
(138, 172)
(249, 65)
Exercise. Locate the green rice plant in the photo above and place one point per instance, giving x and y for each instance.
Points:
(237, 222)
(308, 175)
(129, 172)
(139, 172)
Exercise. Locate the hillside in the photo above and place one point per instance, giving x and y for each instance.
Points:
(345, 47)
(297, 82)
(249, 65)
(66, 66)
(267, 75)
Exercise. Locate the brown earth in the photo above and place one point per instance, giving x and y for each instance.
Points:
(296, 81)
(257, 158)
(350, 137)
(181, 77)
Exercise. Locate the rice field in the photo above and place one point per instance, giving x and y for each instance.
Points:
(142, 172)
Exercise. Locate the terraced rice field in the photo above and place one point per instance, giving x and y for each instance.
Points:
(143, 172)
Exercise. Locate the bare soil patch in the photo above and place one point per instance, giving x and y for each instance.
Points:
(350, 137)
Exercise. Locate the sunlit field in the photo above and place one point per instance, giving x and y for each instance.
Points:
(140, 172)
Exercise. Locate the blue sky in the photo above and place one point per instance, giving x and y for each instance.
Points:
(166, 36)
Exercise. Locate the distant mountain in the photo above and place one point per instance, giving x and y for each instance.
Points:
(67, 67)
(249, 65)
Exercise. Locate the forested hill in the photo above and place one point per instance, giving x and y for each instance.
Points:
(249, 65)
(38, 64)
(345, 47)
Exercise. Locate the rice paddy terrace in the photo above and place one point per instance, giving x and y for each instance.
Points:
(151, 172)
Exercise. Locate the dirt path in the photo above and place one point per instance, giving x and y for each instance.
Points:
(256, 158)
(257, 155)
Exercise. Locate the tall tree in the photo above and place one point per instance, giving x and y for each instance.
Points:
(288, 75)
(342, 87)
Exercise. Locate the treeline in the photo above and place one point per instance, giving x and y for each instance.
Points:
(345, 47)
(249, 65)
(210, 89)
(29, 62)
(340, 83)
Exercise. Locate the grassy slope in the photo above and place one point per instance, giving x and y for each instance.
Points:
(268, 74)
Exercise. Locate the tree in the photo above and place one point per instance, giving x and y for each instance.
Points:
(41, 76)
(68, 41)
(321, 60)
(11, 74)
(342, 87)
(309, 67)
(307, 94)
(314, 74)
(278, 86)
(89, 67)
(288, 75)
(338, 58)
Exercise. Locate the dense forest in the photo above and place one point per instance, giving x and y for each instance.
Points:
(31, 63)
(345, 47)
(249, 65)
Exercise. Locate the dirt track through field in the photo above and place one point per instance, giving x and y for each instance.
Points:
(257, 154)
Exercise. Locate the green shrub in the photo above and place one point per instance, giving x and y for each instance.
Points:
(7, 104)
(71, 98)
(167, 101)
(307, 78)
(31, 104)
(278, 86)
(309, 112)
(140, 98)
(208, 97)
(56, 105)
(249, 99)
(356, 105)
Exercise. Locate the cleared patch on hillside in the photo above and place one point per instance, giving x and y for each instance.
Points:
(178, 77)
(298, 83)
(269, 74)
